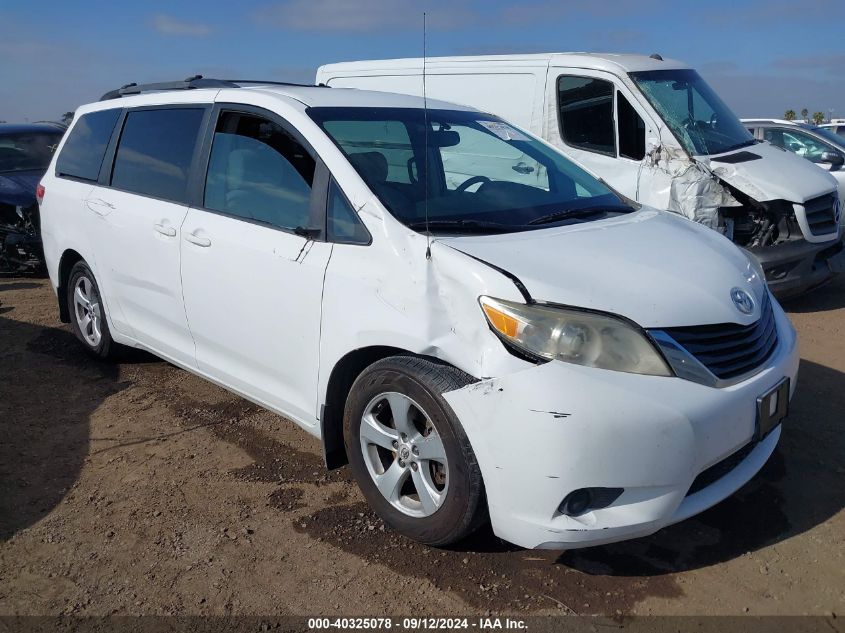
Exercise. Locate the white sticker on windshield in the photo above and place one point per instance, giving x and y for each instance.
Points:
(504, 131)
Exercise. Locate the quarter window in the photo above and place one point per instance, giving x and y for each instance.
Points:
(342, 222)
(155, 152)
(83, 152)
(257, 171)
(585, 106)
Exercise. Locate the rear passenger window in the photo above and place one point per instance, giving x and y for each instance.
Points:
(155, 152)
(586, 113)
(83, 152)
(258, 171)
(631, 129)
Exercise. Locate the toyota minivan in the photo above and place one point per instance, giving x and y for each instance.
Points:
(572, 366)
(655, 131)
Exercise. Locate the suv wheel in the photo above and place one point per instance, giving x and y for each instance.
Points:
(87, 312)
(409, 453)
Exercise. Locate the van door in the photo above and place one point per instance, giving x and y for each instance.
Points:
(138, 216)
(252, 280)
(599, 123)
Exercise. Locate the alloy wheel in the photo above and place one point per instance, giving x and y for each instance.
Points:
(404, 454)
(86, 304)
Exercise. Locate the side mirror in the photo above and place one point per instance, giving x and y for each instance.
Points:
(834, 158)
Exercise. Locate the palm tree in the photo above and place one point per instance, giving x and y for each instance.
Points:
(805, 113)
(789, 115)
(818, 118)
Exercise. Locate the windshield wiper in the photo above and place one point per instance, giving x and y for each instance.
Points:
(577, 213)
(467, 226)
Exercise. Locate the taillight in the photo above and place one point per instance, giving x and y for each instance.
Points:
(39, 193)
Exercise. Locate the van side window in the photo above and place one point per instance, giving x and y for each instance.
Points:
(83, 152)
(585, 106)
(257, 171)
(342, 222)
(631, 129)
(155, 151)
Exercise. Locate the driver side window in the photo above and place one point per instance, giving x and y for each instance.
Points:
(798, 143)
(257, 171)
(585, 108)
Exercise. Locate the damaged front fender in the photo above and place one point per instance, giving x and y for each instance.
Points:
(390, 294)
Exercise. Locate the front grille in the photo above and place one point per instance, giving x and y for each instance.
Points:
(821, 214)
(720, 469)
(729, 350)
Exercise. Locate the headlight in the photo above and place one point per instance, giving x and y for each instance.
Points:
(756, 266)
(573, 336)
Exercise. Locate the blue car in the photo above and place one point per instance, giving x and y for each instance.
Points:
(25, 153)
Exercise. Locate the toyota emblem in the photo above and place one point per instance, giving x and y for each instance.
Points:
(742, 300)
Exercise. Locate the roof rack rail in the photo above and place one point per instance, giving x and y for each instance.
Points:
(256, 82)
(191, 83)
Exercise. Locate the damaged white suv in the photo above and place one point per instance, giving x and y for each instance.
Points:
(523, 344)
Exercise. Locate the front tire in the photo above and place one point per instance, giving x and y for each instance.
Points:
(409, 453)
(88, 313)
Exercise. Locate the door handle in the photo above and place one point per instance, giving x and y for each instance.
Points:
(99, 206)
(199, 241)
(169, 231)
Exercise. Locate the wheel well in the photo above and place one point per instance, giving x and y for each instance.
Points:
(66, 264)
(345, 371)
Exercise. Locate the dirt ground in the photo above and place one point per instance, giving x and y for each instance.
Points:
(137, 488)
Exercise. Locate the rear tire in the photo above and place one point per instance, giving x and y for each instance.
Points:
(88, 313)
(410, 454)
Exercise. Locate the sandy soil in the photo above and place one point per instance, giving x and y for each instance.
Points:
(137, 488)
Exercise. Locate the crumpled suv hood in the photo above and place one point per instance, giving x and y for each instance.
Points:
(653, 267)
(776, 175)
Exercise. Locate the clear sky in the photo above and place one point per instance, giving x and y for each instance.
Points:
(763, 56)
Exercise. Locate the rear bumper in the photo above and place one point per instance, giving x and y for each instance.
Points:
(795, 267)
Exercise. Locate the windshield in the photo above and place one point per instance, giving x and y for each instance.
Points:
(480, 174)
(25, 151)
(699, 119)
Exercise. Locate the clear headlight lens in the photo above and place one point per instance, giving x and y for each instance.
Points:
(756, 266)
(573, 336)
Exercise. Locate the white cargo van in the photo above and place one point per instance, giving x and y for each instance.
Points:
(653, 130)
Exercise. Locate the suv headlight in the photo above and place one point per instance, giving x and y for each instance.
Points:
(574, 336)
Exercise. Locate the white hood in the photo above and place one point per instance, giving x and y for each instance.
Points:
(776, 175)
(653, 267)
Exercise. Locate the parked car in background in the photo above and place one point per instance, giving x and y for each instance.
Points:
(818, 144)
(25, 152)
(576, 366)
(838, 128)
(655, 131)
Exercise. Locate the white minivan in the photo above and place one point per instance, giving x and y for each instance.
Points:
(575, 366)
(653, 130)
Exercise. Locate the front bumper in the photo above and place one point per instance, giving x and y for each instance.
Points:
(543, 432)
(795, 267)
